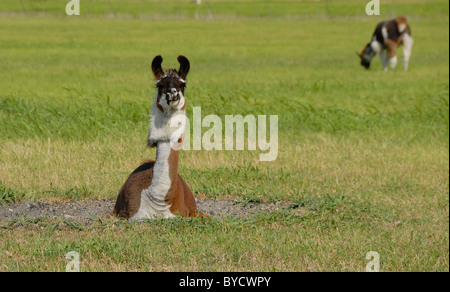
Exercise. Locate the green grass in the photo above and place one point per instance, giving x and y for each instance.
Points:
(336, 230)
(359, 151)
(9, 196)
(230, 9)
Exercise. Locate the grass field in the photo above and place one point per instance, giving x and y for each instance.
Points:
(363, 154)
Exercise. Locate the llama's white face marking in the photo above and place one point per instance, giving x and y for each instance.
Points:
(172, 101)
(170, 97)
(163, 102)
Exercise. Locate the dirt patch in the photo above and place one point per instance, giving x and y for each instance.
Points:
(85, 210)
(79, 210)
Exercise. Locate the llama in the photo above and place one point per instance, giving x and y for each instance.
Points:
(388, 36)
(155, 189)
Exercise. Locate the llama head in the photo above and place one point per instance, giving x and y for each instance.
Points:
(167, 118)
(170, 84)
(366, 56)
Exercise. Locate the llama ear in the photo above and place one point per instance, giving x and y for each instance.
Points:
(184, 66)
(156, 67)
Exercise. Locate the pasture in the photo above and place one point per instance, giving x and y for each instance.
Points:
(363, 159)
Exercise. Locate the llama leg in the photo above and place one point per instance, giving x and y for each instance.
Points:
(407, 48)
(392, 48)
(384, 59)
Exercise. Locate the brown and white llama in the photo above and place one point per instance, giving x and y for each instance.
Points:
(388, 36)
(155, 189)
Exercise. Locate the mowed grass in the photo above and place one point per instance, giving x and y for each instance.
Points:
(363, 155)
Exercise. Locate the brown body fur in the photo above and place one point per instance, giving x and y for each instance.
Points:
(179, 196)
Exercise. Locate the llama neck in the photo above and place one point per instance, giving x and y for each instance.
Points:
(166, 132)
(156, 199)
(163, 132)
(164, 172)
(166, 161)
(160, 185)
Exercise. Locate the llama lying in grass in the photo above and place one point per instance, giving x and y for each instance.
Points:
(155, 189)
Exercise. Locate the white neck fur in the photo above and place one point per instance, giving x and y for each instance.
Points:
(153, 199)
(166, 126)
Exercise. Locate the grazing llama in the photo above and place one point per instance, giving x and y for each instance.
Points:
(155, 189)
(388, 36)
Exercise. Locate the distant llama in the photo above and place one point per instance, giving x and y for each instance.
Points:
(155, 189)
(388, 36)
